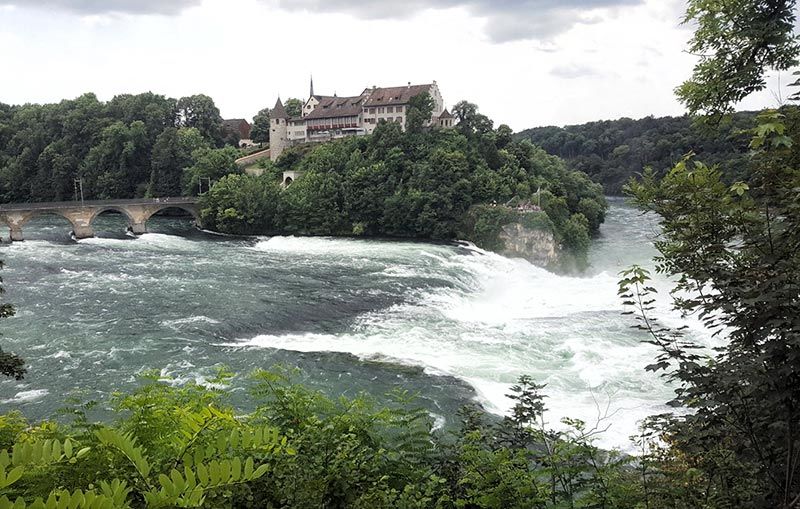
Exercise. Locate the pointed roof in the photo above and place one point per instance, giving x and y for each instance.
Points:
(278, 111)
(446, 114)
(312, 87)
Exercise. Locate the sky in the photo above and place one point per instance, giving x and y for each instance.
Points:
(525, 63)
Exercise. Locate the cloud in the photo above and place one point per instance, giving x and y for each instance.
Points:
(573, 71)
(506, 20)
(99, 7)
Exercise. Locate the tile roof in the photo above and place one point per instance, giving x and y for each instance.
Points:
(446, 114)
(278, 111)
(334, 107)
(394, 95)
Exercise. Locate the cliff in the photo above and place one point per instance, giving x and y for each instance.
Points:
(538, 246)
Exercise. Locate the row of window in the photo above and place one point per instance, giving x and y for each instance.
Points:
(399, 120)
(384, 109)
(330, 121)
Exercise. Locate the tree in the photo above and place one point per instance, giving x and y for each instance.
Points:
(241, 204)
(212, 164)
(10, 364)
(200, 112)
(469, 120)
(167, 162)
(420, 109)
(119, 166)
(260, 130)
(734, 251)
(737, 41)
(294, 107)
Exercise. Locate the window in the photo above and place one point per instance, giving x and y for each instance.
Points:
(372, 111)
(399, 109)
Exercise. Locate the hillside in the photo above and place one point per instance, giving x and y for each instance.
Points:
(611, 151)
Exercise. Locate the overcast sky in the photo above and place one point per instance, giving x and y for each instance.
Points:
(525, 63)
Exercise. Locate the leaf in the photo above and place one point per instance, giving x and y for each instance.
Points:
(248, 468)
(260, 471)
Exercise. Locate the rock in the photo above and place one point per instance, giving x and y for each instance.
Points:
(537, 246)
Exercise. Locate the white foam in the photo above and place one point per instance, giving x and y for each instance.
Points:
(499, 319)
(27, 396)
(178, 323)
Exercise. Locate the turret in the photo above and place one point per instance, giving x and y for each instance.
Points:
(278, 130)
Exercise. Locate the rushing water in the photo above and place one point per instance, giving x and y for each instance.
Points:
(451, 322)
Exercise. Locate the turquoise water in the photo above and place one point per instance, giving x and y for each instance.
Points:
(448, 321)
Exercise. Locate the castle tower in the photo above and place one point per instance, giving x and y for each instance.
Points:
(278, 130)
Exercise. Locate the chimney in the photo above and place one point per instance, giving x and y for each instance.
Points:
(409, 84)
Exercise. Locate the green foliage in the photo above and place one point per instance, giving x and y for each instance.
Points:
(733, 252)
(469, 120)
(241, 204)
(294, 107)
(613, 151)
(259, 132)
(209, 164)
(420, 183)
(483, 224)
(737, 41)
(200, 112)
(172, 447)
(183, 447)
(420, 109)
(114, 146)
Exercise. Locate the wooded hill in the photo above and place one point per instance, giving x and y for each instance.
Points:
(612, 151)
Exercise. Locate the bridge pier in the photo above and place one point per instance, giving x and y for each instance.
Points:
(82, 231)
(138, 228)
(16, 234)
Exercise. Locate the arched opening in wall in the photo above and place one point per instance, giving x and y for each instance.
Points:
(111, 223)
(47, 226)
(173, 221)
(288, 181)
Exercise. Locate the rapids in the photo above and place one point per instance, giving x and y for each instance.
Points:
(448, 321)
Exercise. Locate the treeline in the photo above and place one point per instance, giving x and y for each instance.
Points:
(415, 183)
(613, 151)
(130, 146)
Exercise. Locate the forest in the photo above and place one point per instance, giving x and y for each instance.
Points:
(613, 151)
(131, 146)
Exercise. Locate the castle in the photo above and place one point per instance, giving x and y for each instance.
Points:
(325, 118)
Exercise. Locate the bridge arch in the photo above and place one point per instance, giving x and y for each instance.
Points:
(39, 213)
(15, 221)
(191, 209)
(115, 208)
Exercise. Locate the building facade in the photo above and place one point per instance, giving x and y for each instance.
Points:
(325, 118)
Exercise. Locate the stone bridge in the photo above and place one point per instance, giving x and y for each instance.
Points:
(82, 214)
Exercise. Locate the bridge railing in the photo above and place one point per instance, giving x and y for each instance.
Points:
(178, 200)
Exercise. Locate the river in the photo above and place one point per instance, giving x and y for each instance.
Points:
(450, 322)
